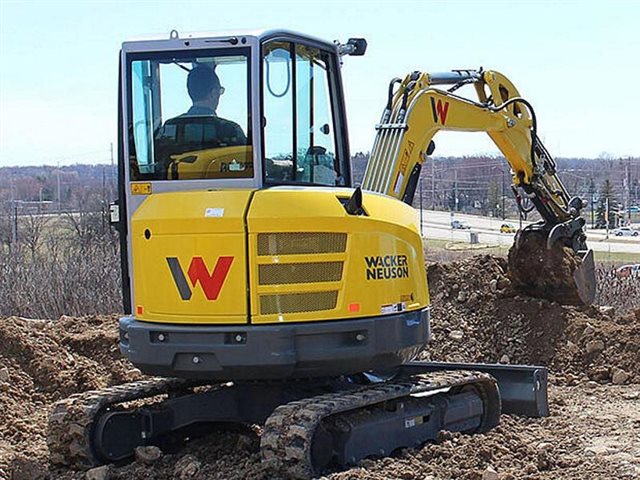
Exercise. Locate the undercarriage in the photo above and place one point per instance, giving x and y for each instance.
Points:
(308, 426)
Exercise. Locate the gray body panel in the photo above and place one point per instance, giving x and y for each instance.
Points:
(239, 352)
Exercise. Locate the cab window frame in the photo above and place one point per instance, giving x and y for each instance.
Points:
(336, 99)
(180, 55)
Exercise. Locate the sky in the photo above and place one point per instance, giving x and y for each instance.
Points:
(576, 61)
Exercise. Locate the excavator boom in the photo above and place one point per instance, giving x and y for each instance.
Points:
(416, 110)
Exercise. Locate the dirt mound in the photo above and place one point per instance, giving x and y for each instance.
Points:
(479, 316)
(43, 361)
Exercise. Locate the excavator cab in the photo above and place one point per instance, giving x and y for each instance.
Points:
(265, 108)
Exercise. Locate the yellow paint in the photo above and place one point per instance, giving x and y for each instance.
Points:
(178, 228)
(430, 110)
(220, 162)
(390, 229)
(174, 225)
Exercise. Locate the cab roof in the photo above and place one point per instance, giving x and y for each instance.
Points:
(181, 40)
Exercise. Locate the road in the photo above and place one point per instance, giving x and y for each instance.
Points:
(437, 225)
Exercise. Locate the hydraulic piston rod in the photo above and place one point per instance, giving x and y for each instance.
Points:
(453, 77)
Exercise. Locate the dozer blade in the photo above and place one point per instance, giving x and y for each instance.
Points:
(551, 270)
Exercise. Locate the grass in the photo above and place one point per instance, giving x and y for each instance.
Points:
(445, 250)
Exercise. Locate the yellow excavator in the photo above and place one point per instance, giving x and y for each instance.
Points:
(261, 287)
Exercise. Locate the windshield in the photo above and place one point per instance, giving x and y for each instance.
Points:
(189, 115)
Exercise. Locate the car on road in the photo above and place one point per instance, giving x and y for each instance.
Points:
(628, 271)
(625, 232)
(507, 228)
(459, 225)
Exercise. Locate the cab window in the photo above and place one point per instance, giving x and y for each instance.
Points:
(189, 115)
(299, 136)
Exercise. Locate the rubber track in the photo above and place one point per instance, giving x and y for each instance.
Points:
(288, 433)
(72, 419)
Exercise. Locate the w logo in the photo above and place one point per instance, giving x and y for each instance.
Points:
(211, 283)
(440, 110)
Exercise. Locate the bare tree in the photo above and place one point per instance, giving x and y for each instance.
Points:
(86, 221)
(7, 225)
(32, 227)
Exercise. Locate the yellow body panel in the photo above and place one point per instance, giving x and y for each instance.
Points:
(307, 258)
(384, 243)
(184, 226)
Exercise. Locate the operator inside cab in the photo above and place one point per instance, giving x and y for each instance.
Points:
(205, 90)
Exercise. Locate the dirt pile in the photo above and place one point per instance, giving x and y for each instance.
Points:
(42, 361)
(478, 316)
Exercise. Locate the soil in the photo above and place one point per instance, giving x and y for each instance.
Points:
(542, 272)
(477, 315)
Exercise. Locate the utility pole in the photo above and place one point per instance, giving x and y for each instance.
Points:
(606, 215)
(433, 184)
(627, 203)
(14, 211)
(112, 173)
(503, 212)
(455, 188)
(59, 198)
(421, 212)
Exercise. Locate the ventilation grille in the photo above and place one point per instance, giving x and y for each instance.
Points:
(301, 243)
(298, 302)
(286, 273)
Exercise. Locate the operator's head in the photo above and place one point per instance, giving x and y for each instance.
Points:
(203, 86)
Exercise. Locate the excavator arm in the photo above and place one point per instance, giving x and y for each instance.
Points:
(417, 109)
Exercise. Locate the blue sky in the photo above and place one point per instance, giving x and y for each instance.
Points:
(577, 62)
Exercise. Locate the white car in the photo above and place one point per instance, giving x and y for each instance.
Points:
(626, 232)
(459, 225)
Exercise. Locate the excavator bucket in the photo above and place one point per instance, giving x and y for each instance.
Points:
(554, 272)
(584, 277)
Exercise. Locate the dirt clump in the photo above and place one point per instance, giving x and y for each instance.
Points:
(544, 273)
(42, 361)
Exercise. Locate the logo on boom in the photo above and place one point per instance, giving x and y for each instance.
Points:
(211, 283)
(440, 110)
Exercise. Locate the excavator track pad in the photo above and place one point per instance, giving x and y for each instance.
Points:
(302, 438)
(308, 427)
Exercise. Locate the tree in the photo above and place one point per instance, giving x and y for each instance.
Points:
(592, 198)
(32, 227)
(493, 198)
(607, 198)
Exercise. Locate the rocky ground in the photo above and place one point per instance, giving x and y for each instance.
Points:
(593, 355)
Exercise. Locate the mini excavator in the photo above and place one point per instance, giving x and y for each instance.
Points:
(262, 288)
